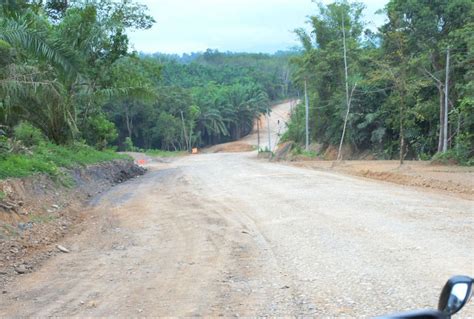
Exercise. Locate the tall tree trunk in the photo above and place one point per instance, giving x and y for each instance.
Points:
(128, 121)
(306, 102)
(258, 134)
(402, 133)
(238, 131)
(446, 114)
(190, 139)
(348, 105)
(268, 131)
(184, 131)
(441, 119)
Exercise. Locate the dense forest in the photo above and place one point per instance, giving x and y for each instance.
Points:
(390, 85)
(68, 76)
(67, 73)
(216, 95)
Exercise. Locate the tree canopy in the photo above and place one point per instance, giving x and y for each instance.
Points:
(398, 77)
(67, 69)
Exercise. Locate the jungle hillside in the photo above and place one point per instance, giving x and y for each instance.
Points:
(69, 78)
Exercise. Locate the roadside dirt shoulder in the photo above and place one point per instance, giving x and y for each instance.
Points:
(37, 211)
(456, 180)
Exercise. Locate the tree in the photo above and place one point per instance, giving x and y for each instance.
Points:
(427, 26)
(400, 73)
(322, 65)
(53, 76)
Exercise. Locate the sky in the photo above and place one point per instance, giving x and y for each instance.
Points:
(184, 26)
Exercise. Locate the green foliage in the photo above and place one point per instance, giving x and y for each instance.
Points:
(49, 158)
(296, 126)
(17, 165)
(448, 158)
(128, 144)
(6, 53)
(309, 154)
(18, 32)
(161, 153)
(100, 131)
(272, 72)
(56, 75)
(5, 146)
(28, 134)
(461, 154)
(396, 77)
(464, 147)
(298, 150)
(66, 68)
(180, 118)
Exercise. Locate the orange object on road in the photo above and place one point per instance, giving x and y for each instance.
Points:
(194, 150)
(141, 162)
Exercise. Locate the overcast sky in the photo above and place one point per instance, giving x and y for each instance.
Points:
(230, 25)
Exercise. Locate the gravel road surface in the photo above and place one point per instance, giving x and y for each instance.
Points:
(227, 234)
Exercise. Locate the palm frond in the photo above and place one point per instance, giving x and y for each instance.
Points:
(141, 93)
(19, 34)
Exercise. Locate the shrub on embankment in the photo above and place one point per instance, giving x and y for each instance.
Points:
(17, 160)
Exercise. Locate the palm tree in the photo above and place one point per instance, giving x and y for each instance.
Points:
(26, 86)
(19, 32)
(247, 101)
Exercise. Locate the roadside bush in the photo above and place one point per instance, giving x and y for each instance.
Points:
(461, 153)
(28, 134)
(6, 53)
(447, 158)
(49, 158)
(296, 126)
(100, 131)
(4, 146)
(299, 150)
(464, 147)
(128, 145)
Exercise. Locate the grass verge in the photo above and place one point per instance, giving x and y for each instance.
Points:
(161, 153)
(49, 158)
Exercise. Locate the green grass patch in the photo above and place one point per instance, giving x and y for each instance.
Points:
(2, 195)
(161, 153)
(42, 219)
(298, 150)
(452, 157)
(49, 158)
(309, 154)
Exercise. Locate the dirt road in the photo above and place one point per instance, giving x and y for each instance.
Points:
(275, 123)
(266, 133)
(227, 234)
